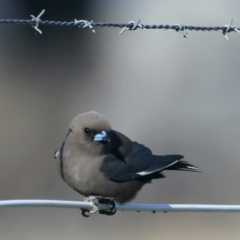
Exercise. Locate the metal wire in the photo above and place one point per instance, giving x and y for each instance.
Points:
(125, 207)
(180, 28)
(118, 25)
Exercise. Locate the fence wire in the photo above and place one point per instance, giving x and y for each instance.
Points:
(125, 207)
(130, 26)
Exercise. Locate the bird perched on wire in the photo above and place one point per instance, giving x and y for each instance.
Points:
(104, 165)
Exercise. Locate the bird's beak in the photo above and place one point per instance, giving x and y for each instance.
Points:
(101, 137)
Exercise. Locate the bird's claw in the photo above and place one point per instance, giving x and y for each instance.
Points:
(84, 212)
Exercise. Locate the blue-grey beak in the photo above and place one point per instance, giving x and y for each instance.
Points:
(101, 137)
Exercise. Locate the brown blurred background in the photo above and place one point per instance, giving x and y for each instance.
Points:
(172, 95)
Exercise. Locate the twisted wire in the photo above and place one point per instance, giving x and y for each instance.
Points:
(119, 25)
(130, 26)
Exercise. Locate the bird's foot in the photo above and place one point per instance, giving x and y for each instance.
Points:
(94, 209)
(112, 210)
(100, 199)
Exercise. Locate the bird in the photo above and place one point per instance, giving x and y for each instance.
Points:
(105, 165)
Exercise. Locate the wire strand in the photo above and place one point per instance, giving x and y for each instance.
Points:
(125, 207)
(130, 26)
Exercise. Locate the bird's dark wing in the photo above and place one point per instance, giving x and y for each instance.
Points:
(138, 162)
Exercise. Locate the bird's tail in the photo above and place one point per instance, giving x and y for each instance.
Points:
(183, 166)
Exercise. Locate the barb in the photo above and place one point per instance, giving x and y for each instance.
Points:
(124, 26)
(125, 207)
(37, 20)
(229, 28)
(181, 29)
(132, 26)
(85, 24)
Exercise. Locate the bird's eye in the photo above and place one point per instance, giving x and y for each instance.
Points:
(87, 130)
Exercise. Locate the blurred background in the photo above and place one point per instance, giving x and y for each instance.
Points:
(173, 95)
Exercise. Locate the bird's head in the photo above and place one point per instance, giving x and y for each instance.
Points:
(90, 132)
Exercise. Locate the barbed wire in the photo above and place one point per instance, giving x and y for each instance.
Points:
(130, 26)
(125, 207)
